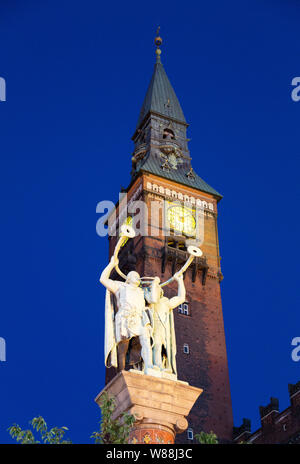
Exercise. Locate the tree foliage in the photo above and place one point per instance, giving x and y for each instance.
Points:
(207, 438)
(39, 425)
(112, 431)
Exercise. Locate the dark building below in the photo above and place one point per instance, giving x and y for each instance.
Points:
(276, 427)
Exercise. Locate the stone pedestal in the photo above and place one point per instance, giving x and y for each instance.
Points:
(160, 406)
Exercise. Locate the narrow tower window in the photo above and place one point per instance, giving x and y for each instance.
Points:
(186, 348)
(190, 434)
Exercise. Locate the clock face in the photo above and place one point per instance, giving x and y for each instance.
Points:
(182, 220)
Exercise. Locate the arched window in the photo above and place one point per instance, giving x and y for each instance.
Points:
(184, 309)
(168, 134)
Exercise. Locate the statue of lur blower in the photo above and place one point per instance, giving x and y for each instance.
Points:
(164, 340)
(133, 319)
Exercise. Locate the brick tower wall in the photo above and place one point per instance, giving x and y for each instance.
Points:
(206, 364)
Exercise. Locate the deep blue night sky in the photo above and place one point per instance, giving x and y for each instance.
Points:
(76, 75)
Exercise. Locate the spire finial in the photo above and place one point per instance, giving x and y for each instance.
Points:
(158, 42)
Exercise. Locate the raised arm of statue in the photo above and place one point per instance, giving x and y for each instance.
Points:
(111, 285)
(180, 298)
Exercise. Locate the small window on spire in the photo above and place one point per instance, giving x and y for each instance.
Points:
(168, 134)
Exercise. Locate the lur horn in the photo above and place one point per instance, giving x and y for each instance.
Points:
(126, 232)
(194, 252)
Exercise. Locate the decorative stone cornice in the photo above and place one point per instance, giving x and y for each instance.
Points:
(160, 406)
(177, 195)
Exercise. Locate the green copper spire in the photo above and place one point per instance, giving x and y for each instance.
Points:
(161, 143)
(160, 97)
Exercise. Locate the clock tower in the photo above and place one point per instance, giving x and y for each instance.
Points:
(185, 211)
